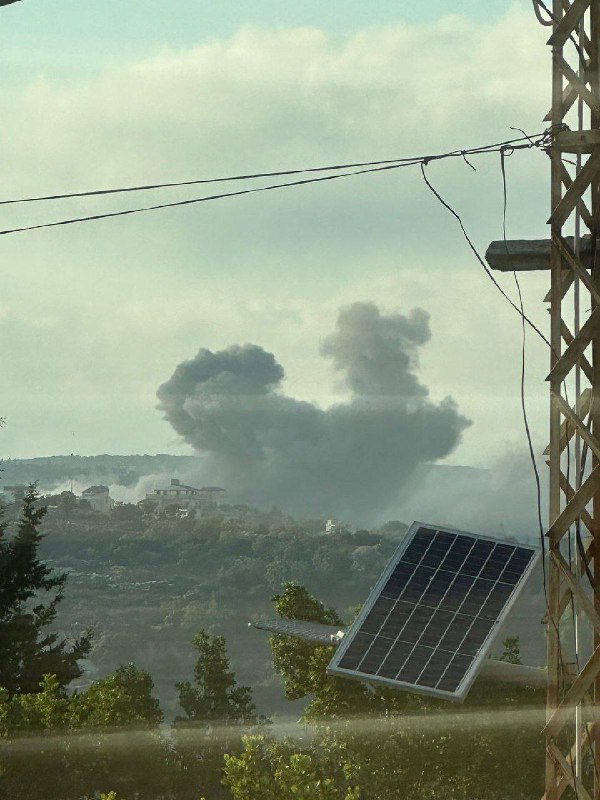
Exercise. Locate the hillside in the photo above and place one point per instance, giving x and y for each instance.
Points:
(51, 471)
(148, 582)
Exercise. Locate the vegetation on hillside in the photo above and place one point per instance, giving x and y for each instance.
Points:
(62, 743)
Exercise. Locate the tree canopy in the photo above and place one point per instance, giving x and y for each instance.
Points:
(29, 596)
(215, 696)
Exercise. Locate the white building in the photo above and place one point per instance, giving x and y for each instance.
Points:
(333, 526)
(183, 496)
(99, 498)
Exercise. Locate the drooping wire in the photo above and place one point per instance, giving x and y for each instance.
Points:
(475, 252)
(536, 473)
(535, 140)
(519, 145)
(550, 617)
(537, 6)
(524, 320)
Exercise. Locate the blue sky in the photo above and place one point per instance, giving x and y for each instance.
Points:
(64, 38)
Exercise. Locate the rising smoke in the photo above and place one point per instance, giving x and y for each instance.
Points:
(349, 460)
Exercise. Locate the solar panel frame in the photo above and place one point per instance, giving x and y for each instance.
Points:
(470, 673)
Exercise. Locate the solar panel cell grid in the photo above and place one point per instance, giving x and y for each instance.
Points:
(438, 607)
(417, 549)
(415, 664)
(438, 625)
(417, 584)
(435, 668)
(395, 623)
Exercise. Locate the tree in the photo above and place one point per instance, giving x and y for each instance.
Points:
(303, 667)
(123, 699)
(512, 650)
(401, 744)
(29, 596)
(215, 696)
(128, 513)
(125, 751)
(272, 771)
(67, 504)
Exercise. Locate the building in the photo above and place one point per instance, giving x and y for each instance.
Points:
(333, 526)
(99, 499)
(183, 496)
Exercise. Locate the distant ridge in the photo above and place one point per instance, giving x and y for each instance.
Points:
(50, 471)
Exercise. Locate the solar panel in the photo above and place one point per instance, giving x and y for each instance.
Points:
(434, 613)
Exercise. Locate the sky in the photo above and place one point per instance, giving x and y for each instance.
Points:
(70, 38)
(95, 317)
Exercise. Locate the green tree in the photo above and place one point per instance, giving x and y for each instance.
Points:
(303, 665)
(29, 596)
(391, 743)
(213, 701)
(272, 771)
(214, 696)
(128, 514)
(67, 762)
(67, 504)
(120, 700)
(512, 650)
(123, 699)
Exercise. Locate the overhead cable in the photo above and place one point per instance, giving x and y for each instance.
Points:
(536, 474)
(522, 143)
(533, 140)
(475, 252)
(537, 7)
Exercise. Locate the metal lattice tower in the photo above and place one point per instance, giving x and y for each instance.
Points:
(574, 492)
(572, 255)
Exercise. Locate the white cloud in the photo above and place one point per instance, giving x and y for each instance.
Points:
(96, 316)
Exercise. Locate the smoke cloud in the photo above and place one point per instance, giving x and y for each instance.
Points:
(476, 499)
(349, 460)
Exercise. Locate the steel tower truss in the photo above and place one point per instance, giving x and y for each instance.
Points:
(574, 450)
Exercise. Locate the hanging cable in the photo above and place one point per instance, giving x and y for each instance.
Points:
(478, 257)
(536, 472)
(537, 7)
(518, 145)
(503, 154)
(535, 140)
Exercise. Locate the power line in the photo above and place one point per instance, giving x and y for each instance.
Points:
(475, 252)
(539, 140)
(280, 173)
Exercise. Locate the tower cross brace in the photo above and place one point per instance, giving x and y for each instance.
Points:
(572, 257)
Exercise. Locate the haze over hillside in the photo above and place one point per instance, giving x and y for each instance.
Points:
(466, 497)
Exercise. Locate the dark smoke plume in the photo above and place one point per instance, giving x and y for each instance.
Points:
(349, 460)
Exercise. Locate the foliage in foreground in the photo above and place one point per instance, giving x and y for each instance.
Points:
(365, 743)
(214, 696)
(271, 771)
(121, 700)
(382, 742)
(302, 666)
(29, 596)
